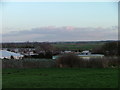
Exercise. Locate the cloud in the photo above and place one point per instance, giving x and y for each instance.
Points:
(65, 33)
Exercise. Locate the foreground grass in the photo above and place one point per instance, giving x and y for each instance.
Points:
(60, 78)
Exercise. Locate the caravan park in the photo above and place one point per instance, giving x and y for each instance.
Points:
(60, 67)
(59, 44)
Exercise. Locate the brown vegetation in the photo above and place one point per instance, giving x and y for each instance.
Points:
(68, 60)
(28, 63)
(71, 60)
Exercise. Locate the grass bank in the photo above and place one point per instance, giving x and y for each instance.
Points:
(60, 78)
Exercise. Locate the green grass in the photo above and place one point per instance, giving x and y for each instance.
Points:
(60, 78)
(78, 46)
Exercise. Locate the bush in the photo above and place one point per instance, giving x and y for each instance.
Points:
(113, 61)
(71, 60)
(68, 60)
(97, 63)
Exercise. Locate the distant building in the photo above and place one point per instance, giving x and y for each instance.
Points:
(86, 52)
(10, 55)
(85, 55)
(30, 53)
(67, 51)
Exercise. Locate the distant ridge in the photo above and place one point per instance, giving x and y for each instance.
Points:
(65, 41)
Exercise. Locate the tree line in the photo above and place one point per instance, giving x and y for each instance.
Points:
(109, 48)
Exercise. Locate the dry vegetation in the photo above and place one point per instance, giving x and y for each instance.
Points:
(65, 61)
(28, 63)
(71, 60)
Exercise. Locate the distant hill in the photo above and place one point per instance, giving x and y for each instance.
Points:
(67, 45)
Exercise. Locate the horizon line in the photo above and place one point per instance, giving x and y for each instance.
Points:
(58, 41)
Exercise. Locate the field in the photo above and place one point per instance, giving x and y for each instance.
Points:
(82, 46)
(60, 78)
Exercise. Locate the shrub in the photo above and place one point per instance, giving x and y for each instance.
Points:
(113, 61)
(68, 60)
(71, 60)
(97, 63)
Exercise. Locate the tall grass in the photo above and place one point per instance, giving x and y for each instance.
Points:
(28, 63)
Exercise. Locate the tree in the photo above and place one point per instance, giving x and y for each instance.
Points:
(12, 57)
(109, 48)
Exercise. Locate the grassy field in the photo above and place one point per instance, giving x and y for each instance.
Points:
(60, 78)
(73, 46)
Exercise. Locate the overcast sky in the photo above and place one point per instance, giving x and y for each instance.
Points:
(59, 21)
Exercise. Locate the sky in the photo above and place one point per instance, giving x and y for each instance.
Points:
(59, 21)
